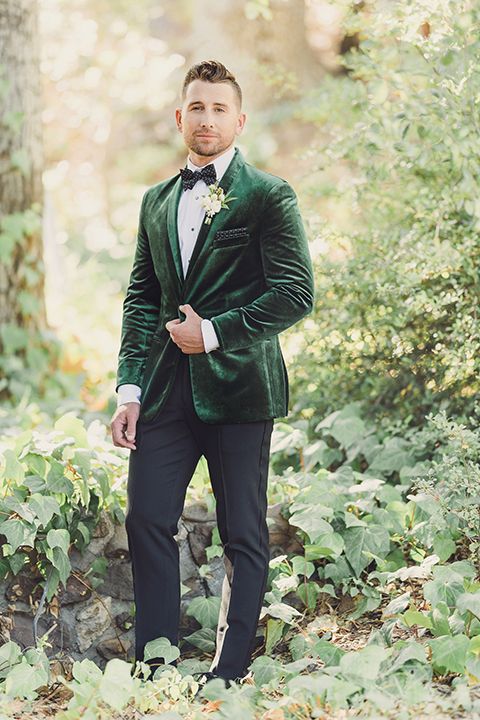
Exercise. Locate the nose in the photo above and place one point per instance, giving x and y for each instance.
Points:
(207, 119)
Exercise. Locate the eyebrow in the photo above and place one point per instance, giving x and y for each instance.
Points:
(200, 102)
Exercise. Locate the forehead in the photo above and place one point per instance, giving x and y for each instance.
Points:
(205, 92)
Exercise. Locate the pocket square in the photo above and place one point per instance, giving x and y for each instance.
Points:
(231, 238)
(233, 233)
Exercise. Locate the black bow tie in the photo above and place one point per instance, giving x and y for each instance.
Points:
(191, 177)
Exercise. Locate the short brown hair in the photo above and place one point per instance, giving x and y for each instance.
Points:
(211, 71)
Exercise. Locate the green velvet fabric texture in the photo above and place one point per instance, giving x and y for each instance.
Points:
(252, 286)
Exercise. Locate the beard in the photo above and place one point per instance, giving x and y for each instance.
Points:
(207, 149)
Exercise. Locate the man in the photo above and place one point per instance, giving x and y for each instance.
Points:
(200, 367)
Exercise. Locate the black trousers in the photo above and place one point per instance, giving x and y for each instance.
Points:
(160, 470)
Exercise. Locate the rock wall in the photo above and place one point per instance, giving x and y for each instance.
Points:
(98, 624)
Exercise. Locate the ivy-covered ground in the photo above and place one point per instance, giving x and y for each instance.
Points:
(377, 613)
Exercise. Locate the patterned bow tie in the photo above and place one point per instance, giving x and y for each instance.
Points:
(191, 177)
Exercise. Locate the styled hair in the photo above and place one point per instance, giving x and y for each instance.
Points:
(211, 71)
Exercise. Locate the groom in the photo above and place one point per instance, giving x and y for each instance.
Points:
(200, 366)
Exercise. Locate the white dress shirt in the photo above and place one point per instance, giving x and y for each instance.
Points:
(190, 217)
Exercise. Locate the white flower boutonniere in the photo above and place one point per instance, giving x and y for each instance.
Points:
(214, 201)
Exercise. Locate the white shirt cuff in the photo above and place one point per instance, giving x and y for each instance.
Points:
(210, 339)
(129, 393)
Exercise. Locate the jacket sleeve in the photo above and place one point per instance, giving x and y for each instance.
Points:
(288, 273)
(140, 312)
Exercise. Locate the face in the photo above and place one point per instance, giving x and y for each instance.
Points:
(209, 120)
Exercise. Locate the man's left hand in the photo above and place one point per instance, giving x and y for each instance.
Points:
(187, 334)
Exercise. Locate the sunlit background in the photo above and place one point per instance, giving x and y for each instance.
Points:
(111, 72)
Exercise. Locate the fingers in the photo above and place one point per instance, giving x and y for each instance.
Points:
(171, 323)
(124, 425)
(188, 311)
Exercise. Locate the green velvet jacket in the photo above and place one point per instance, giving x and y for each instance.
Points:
(250, 274)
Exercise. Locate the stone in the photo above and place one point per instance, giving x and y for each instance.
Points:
(282, 539)
(214, 578)
(93, 620)
(104, 526)
(23, 589)
(117, 547)
(197, 511)
(55, 630)
(118, 582)
(5, 628)
(76, 590)
(188, 568)
(124, 622)
(114, 648)
(199, 539)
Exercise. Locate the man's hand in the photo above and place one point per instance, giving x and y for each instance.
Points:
(187, 334)
(124, 425)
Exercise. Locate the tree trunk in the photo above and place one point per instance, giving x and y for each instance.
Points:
(22, 307)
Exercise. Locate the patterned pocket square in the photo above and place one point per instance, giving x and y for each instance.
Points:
(233, 233)
(231, 238)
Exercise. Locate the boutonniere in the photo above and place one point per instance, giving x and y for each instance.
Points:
(214, 201)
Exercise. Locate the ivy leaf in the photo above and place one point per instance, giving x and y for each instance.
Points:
(117, 685)
(449, 654)
(312, 592)
(34, 483)
(469, 602)
(327, 652)
(57, 482)
(280, 610)
(161, 648)
(61, 562)
(373, 539)
(59, 538)
(73, 427)
(363, 665)
(44, 507)
(204, 639)
(265, 670)
(13, 468)
(23, 679)
(274, 634)
(18, 533)
(311, 521)
(415, 617)
(443, 591)
(101, 477)
(86, 672)
(205, 610)
(17, 561)
(9, 655)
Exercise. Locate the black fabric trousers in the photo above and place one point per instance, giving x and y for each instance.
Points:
(160, 470)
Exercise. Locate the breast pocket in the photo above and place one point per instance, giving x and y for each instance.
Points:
(230, 238)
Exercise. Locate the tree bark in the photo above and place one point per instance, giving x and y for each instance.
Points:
(21, 267)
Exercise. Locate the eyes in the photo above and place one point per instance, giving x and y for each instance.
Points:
(199, 108)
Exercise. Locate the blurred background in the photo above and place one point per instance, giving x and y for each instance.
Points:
(110, 78)
(364, 107)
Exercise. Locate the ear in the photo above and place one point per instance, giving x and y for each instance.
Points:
(178, 118)
(240, 123)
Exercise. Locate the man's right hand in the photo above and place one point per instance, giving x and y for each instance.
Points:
(124, 425)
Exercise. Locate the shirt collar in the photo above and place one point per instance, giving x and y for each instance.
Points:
(221, 163)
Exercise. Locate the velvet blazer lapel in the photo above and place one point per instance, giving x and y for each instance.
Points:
(172, 224)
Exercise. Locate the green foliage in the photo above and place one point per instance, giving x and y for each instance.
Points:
(396, 321)
(53, 486)
(453, 482)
